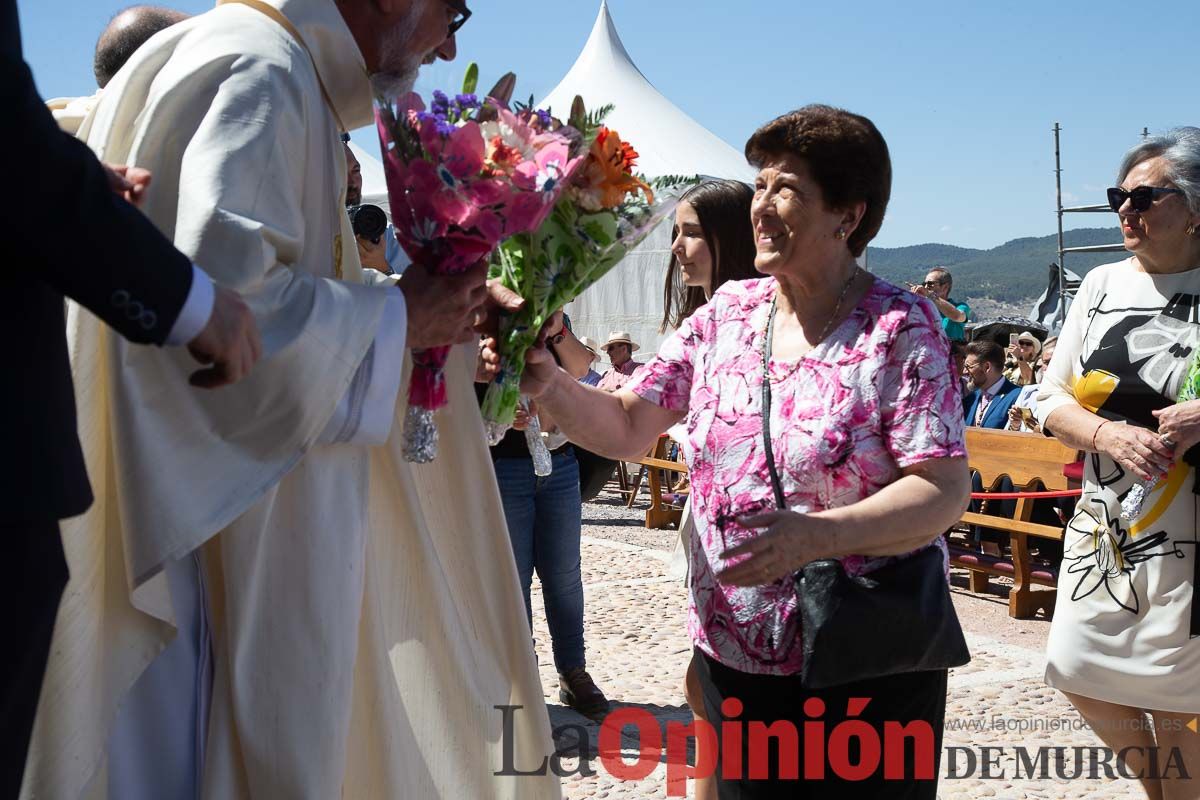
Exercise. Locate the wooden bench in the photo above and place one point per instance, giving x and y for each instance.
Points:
(661, 513)
(1033, 463)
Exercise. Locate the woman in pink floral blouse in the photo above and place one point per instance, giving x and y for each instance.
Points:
(867, 433)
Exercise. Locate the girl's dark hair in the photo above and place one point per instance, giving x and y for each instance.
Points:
(723, 208)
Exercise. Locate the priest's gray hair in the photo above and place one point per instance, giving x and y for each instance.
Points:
(1180, 149)
(399, 61)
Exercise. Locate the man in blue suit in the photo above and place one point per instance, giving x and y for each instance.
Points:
(994, 395)
(986, 406)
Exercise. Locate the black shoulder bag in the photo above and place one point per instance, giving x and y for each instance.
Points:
(894, 620)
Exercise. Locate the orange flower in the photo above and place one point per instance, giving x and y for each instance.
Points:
(607, 175)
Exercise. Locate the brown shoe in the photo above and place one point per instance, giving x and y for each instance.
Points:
(577, 690)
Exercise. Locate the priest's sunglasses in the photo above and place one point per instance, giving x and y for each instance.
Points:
(1141, 197)
(460, 17)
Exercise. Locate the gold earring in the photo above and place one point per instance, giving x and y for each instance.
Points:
(1191, 230)
(840, 233)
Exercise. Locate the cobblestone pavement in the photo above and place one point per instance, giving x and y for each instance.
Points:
(638, 651)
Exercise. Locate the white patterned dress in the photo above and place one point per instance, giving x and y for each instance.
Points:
(1125, 624)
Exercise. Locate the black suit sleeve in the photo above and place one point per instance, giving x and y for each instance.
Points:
(119, 266)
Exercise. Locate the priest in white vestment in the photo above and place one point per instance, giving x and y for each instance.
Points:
(328, 620)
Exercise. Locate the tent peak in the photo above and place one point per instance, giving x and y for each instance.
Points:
(669, 141)
(605, 41)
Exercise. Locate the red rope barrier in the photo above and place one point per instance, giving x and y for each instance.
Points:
(1021, 495)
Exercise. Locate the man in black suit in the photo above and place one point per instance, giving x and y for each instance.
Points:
(130, 276)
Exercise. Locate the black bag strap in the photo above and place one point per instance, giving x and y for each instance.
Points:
(776, 484)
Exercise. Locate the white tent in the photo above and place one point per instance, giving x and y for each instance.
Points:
(374, 189)
(669, 142)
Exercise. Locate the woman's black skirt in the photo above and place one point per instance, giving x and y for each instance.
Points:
(895, 755)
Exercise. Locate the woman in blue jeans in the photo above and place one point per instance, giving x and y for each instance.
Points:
(544, 517)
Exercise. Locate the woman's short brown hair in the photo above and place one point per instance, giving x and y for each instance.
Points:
(846, 156)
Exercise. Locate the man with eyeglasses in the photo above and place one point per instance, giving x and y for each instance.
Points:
(296, 612)
(987, 406)
(936, 287)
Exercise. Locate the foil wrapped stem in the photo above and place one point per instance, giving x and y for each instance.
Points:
(543, 462)
(1131, 506)
(420, 435)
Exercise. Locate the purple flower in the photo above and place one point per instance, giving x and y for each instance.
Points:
(440, 104)
(544, 118)
(465, 101)
(444, 128)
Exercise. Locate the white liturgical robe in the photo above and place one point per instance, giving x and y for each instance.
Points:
(364, 614)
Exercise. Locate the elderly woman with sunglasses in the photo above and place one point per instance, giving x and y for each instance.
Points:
(848, 379)
(1123, 644)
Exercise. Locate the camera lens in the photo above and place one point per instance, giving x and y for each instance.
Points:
(368, 221)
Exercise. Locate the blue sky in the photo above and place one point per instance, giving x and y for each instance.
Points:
(966, 93)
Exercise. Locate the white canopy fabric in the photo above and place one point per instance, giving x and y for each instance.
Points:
(374, 190)
(668, 142)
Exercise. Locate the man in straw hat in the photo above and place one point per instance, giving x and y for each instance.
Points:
(620, 348)
(593, 377)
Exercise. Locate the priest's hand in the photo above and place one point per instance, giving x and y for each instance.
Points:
(443, 309)
(499, 299)
(229, 342)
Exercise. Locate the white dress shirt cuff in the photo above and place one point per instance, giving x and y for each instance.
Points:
(197, 308)
(365, 412)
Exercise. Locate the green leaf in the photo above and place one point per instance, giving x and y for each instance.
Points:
(471, 79)
(672, 181)
(596, 118)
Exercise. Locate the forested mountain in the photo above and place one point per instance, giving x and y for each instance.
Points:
(1013, 272)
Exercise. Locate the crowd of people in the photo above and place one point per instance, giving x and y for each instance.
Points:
(254, 595)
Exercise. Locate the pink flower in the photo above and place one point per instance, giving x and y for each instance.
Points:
(551, 166)
(467, 249)
(526, 213)
(409, 103)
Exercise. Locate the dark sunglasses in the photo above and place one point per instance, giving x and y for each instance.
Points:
(463, 14)
(1141, 197)
(932, 284)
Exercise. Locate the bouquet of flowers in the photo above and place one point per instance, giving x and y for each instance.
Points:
(462, 176)
(606, 210)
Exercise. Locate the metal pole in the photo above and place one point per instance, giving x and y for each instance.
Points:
(1145, 133)
(1062, 275)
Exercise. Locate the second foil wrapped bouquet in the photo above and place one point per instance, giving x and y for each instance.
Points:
(463, 175)
(605, 210)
